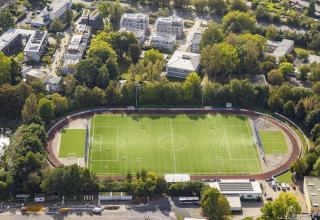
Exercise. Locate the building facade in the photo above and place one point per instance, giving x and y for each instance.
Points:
(93, 19)
(195, 42)
(170, 25)
(35, 46)
(165, 41)
(311, 186)
(182, 63)
(135, 21)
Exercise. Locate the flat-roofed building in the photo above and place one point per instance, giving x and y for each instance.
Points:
(35, 42)
(135, 21)
(164, 41)
(53, 84)
(56, 9)
(279, 48)
(311, 189)
(170, 25)
(34, 75)
(195, 42)
(36, 46)
(182, 63)
(91, 18)
(245, 189)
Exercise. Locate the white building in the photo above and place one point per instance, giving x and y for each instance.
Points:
(164, 41)
(53, 84)
(279, 48)
(182, 63)
(35, 46)
(245, 189)
(35, 42)
(177, 178)
(56, 9)
(138, 33)
(311, 186)
(135, 21)
(195, 42)
(170, 25)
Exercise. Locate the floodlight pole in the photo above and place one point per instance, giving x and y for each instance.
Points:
(136, 83)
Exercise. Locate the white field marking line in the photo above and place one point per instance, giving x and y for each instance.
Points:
(174, 156)
(103, 126)
(114, 160)
(243, 142)
(227, 142)
(255, 148)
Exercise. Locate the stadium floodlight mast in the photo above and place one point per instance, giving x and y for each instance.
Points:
(136, 83)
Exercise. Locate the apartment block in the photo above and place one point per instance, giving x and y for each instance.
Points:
(35, 46)
(135, 21)
(138, 33)
(164, 41)
(92, 19)
(170, 25)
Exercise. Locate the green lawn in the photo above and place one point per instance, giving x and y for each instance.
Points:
(273, 142)
(206, 144)
(72, 142)
(285, 178)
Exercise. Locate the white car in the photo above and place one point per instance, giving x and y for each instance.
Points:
(97, 210)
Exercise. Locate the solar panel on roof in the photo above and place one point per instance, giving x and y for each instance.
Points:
(236, 186)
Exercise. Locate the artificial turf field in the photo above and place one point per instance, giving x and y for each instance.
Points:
(273, 142)
(198, 145)
(72, 143)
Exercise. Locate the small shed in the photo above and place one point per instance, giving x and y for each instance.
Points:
(235, 203)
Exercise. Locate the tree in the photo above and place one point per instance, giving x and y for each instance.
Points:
(87, 72)
(214, 205)
(261, 13)
(286, 68)
(69, 85)
(315, 132)
(45, 109)
(29, 110)
(238, 22)
(191, 87)
(314, 75)
(288, 109)
(115, 13)
(217, 6)
(285, 206)
(238, 5)
(275, 77)
(311, 9)
(272, 32)
(299, 167)
(220, 59)
(316, 88)
(103, 8)
(56, 25)
(275, 102)
(134, 52)
(69, 180)
(299, 111)
(200, 5)
(212, 35)
(304, 70)
(6, 20)
(5, 69)
(152, 56)
(60, 104)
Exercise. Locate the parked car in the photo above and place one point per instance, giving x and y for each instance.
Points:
(269, 198)
(97, 210)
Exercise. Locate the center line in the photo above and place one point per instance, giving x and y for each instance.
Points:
(174, 156)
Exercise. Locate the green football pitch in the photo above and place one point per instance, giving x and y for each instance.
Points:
(72, 143)
(198, 145)
(273, 142)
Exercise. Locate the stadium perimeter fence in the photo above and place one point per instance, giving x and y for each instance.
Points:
(258, 138)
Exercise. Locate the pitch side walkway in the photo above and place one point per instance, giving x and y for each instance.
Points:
(293, 137)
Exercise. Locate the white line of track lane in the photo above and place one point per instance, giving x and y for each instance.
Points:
(174, 156)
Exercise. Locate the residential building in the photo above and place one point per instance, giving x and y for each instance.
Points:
(182, 63)
(138, 33)
(76, 48)
(164, 41)
(53, 84)
(170, 25)
(244, 189)
(195, 42)
(56, 9)
(311, 186)
(279, 48)
(93, 19)
(135, 21)
(13, 40)
(5, 3)
(35, 46)
(31, 75)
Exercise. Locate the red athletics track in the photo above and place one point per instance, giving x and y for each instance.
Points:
(284, 167)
